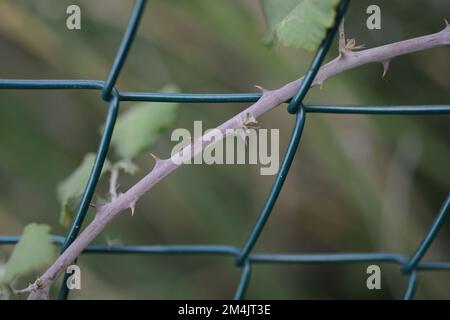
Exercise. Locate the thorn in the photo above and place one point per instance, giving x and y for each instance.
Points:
(155, 157)
(28, 289)
(157, 160)
(385, 67)
(93, 205)
(132, 207)
(446, 22)
(263, 90)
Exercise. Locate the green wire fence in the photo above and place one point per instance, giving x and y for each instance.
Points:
(244, 256)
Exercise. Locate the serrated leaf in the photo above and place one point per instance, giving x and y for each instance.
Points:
(70, 190)
(33, 252)
(300, 23)
(141, 125)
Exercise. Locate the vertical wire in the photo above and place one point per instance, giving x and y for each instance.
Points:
(243, 282)
(412, 284)
(276, 188)
(124, 48)
(92, 182)
(295, 106)
(429, 237)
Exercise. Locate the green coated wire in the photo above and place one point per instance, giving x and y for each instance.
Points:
(92, 183)
(108, 94)
(430, 236)
(243, 281)
(276, 188)
(412, 285)
(295, 106)
(318, 59)
(124, 48)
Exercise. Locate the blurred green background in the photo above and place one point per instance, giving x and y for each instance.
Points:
(358, 183)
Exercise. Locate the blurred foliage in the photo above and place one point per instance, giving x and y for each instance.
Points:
(359, 183)
(141, 126)
(70, 190)
(34, 251)
(300, 23)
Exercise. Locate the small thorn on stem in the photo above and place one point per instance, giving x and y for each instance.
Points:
(132, 207)
(262, 89)
(446, 22)
(93, 205)
(385, 67)
(155, 157)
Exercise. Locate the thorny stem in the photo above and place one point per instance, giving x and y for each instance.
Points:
(270, 99)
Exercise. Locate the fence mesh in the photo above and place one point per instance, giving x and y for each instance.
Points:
(410, 266)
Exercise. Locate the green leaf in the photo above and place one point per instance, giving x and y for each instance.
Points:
(70, 190)
(141, 125)
(33, 252)
(302, 26)
(276, 10)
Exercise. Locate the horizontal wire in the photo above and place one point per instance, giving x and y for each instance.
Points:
(430, 266)
(380, 109)
(315, 258)
(189, 97)
(165, 249)
(21, 84)
(331, 258)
